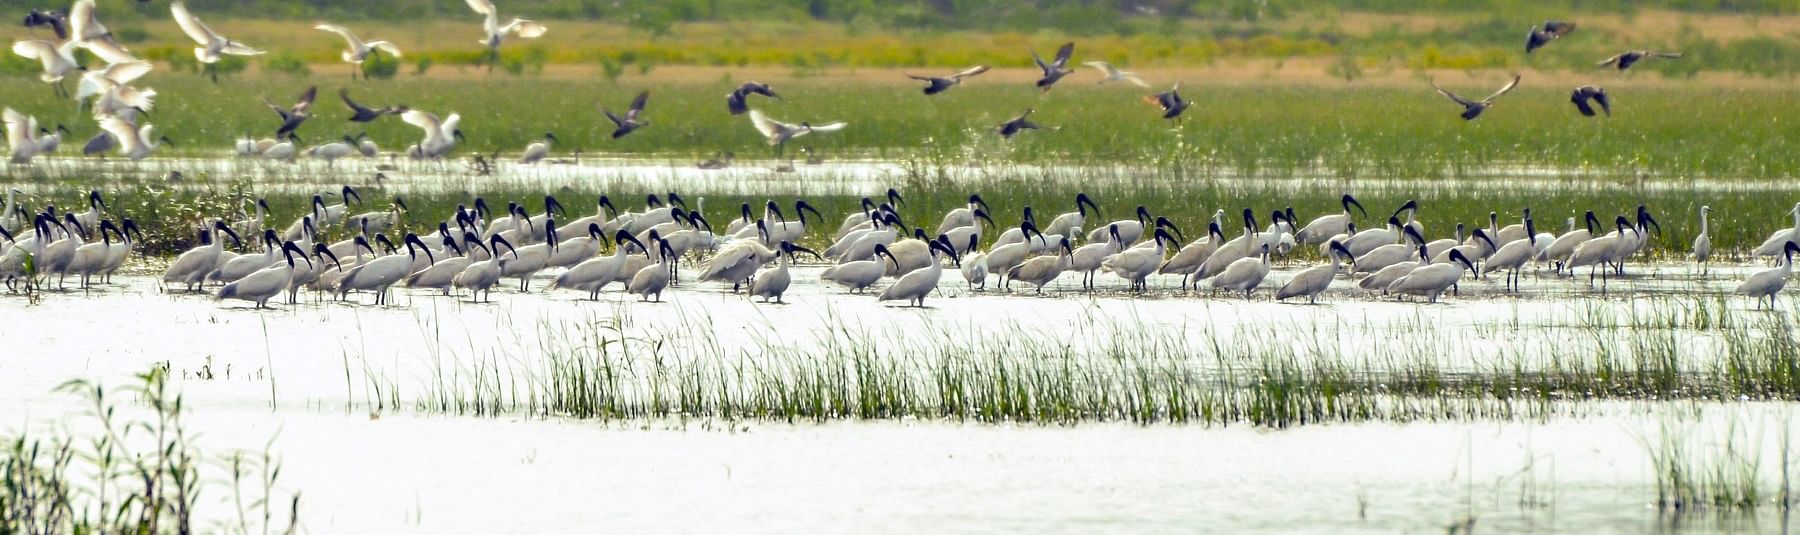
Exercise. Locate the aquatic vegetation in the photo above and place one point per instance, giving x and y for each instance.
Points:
(132, 474)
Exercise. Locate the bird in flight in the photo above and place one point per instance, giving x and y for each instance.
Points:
(1113, 74)
(939, 84)
(738, 100)
(1586, 93)
(1473, 108)
(630, 121)
(1624, 60)
(1054, 70)
(1543, 35)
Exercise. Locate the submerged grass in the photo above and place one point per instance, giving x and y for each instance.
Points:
(134, 475)
(609, 368)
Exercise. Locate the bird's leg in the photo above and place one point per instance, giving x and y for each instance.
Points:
(213, 72)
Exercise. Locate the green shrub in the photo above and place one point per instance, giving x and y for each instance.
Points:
(380, 66)
(286, 62)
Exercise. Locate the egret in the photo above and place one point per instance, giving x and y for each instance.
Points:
(1473, 108)
(737, 101)
(1768, 282)
(1624, 60)
(1703, 242)
(939, 84)
(1110, 73)
(1054, 70)
(359, 50)
(1314, 280)
(630, 121)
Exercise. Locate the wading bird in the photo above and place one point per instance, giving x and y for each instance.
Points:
(1703, 242)
(1314, 280)
(1431, 280)
(1624, 60)
(1543, 35)
(1586, 93)
(737, 101)
(538, 149)
(651, 280)
(916, 284)
(1039, 271)
(1056, 69)
(771, 283)
(1473, 108)
(483, 275)
(359, 50)
(1110, 73)
(630, 122)
(494, 32)
(212, 45)
(267, 282)
(1768, 282)
(1326, 226)
(939, 84)
(192, 267)
(133, 142)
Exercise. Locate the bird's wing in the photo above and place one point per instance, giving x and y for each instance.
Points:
(1105, 68)
(1581, 103)
(191, 25)
(1558, 28)
(830, 127)
(484, 7)
(18, 129)
(125, 73)
(1670, 55)
(971, 71)
(306, 99)
(283, 112)
(82, 21)
(1605, 102)
(239, 49)
(343, 32)
(35, 49)
(385, 46)
(1040, 61)
(637, 104)
(526, 28)
(1611, 60)
(450, 124)
(109, 51)
(422, 119)
(1453, 96)
(919, 78)
(121, 130)
(1503, 90)
(344, 93)
(769, 127)
(1063, 54)
(615, 118)
(1133, 78)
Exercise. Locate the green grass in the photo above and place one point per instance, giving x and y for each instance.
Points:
(1349, 132)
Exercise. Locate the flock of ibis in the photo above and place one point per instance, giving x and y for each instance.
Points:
(338, 248)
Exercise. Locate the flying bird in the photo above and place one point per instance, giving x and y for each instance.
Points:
(111, 85)
(362, 114)
(738, 99)
(1113, 74)
(1473, 108)
(1543, 35)
(937, 84)
(50, 18)
(359, 50)
(1018, 124)
(291, 117)
(630, 121)
(778, 133)
(83, 25)
(58, 59)
(1054, 70)
(496, 32)
(1171, 102)
(1586, 93)
(1624, 60)
(212, 45)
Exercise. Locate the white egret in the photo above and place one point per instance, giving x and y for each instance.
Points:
(1703, 242)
